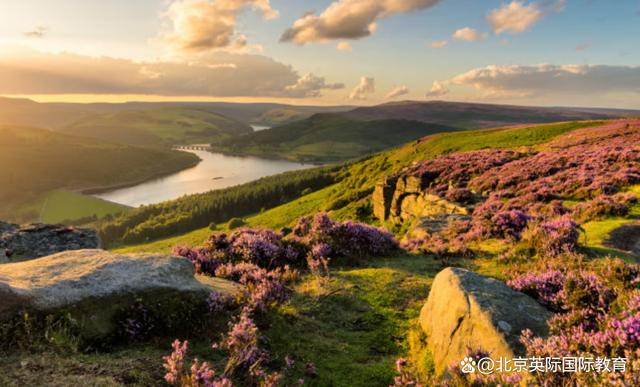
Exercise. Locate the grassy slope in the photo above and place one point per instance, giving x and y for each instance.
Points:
(158, 127)
(36, 161)
(329, 137)
(362, 177)
(59, 206)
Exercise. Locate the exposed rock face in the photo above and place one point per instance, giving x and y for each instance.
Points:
(19, 243)
(94, 285)
(466, 311)
(402, 197)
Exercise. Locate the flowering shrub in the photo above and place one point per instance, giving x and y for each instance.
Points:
(564, 292)
(554, 237)
(594, 321)
(345, 239)
(317, 237)
(604, 205)
(200, 374)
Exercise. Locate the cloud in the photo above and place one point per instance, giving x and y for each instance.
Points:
(348, 19)
(344, 46)
(221, 75)
(310, 85)
(467, 34)
(203, 25)
(439, 44)
(366, 86)
(39, 32)
(547, 80)
(397, 92)
(517, 17)
(438, 89)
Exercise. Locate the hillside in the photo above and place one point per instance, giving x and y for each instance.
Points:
(349, 197)
(475, 115)
(289, 114)
(158, 127)
(35, 161)
(544, 210)
(329, 137)
(549, 210)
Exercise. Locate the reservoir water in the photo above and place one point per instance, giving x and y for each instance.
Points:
(215, 171)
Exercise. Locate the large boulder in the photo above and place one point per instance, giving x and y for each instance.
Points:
(18, 243)
(95, 285)
(466, 311)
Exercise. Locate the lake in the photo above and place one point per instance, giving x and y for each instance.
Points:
(215, 171)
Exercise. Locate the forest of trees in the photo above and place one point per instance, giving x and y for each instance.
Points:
(195, 211)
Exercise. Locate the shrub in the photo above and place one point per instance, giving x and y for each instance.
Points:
(235, 223)
(554, 237)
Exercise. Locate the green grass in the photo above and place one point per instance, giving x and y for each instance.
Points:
(596, 233)
(158, 127)
(58, 206)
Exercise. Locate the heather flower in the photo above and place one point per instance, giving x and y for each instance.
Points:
(219, 302)
(242, 344)
(554, 237)
(174, 363)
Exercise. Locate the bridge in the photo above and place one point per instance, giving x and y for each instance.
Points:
(199, 147)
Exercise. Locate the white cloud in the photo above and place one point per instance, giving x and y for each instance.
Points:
(397, 92)
(438, 89)
(516, 17)
(203, 25)
(221, 75)
(439, 44)
(468, 34)
(547, 80)
(366, 86)
(344, 46)
(348, 19)
(310, 85)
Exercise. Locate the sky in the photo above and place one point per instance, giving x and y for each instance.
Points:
(330, 52)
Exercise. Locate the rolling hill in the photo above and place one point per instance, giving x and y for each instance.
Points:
(476, 116)
(158, 127)
(35, 161)
(329, 137)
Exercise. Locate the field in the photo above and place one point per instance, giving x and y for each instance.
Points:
(68, 207)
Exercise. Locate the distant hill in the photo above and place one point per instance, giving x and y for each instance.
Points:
(329, 137)
(289, 114)
(474, 115)
(34, 161)
(54, 115)
(158, 127)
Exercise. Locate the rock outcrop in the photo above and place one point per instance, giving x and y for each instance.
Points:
(18, 243)
(466, 311)
(94, 285)
(399, 198)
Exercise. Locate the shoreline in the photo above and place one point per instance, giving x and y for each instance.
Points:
(113, 187)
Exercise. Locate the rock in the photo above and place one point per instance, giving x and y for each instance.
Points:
(39, 240)
(94, 285)
(401, 198)
(466, 311)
